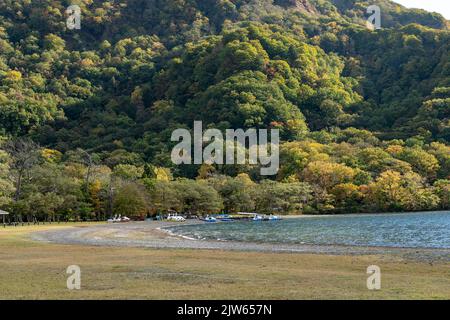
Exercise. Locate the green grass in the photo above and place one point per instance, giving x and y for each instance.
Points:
(34, 270)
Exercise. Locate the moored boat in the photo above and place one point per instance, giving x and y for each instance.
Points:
(119, 218)
(258, 218)
(224, 218)
(210, 219)
(175, 217)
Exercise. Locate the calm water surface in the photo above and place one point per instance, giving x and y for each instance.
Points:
(412, 230)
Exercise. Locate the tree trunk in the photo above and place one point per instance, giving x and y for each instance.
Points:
(18, 187)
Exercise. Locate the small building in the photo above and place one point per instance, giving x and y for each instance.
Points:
(3, 214)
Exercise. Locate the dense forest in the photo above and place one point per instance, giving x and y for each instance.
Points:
(86, 115)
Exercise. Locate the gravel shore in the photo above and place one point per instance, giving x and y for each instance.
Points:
(153, 235)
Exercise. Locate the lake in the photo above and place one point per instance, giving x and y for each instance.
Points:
(409, 230)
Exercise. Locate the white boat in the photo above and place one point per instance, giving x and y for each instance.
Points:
(119, 218)
(210, 219)
(175, 217)
(274, 218)
(258, 218)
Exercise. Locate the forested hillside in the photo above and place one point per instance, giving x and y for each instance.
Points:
(363, 115)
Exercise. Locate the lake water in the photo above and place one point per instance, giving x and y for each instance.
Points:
(409, 230)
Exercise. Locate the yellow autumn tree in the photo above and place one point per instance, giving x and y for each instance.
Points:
(94, 193)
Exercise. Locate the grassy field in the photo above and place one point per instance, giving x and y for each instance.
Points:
(32, 270)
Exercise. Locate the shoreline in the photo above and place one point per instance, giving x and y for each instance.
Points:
(37, 270)
(155, 235)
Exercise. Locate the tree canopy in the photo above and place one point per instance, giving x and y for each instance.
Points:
(363, 114)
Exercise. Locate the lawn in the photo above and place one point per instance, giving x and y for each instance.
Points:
(34, 270)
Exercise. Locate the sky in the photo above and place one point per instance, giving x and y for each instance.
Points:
(440, 6)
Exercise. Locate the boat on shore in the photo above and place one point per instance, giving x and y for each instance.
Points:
(259, 217)
(175, 217)
(225, 218)
(119, 219)
(240, 216)
(209, 219)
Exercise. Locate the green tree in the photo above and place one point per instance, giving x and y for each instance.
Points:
(442, 189)
(129, 201)
(236, 194)
(6, 185)
(282, 198)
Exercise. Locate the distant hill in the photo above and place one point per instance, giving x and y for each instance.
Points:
(138, 68)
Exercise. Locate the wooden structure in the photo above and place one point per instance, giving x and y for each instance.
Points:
(3, 214)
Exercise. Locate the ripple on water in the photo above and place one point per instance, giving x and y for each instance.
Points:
(409, 230)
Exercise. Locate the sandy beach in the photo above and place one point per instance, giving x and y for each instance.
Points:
(154, 234)
(141, 261)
